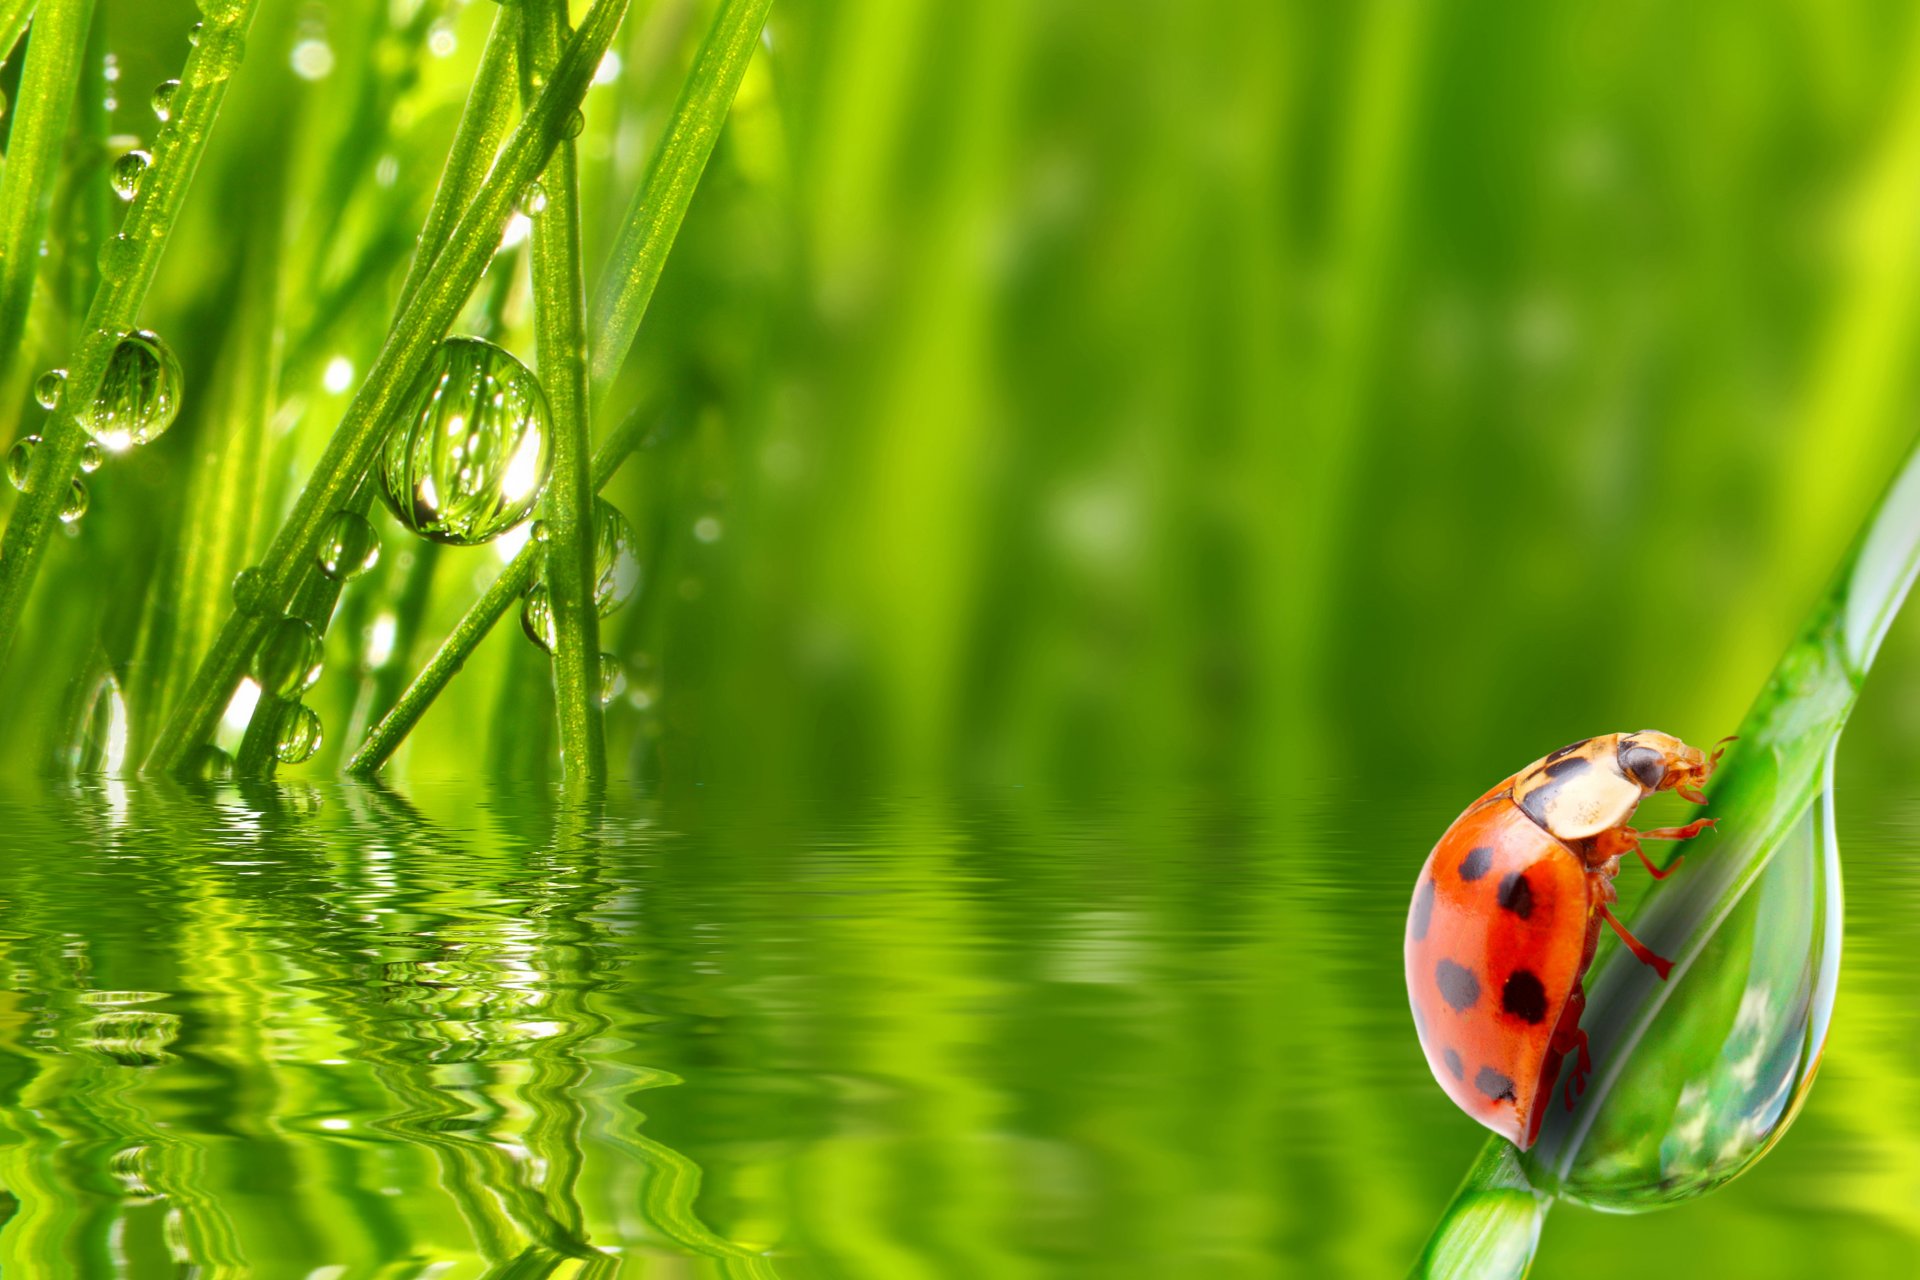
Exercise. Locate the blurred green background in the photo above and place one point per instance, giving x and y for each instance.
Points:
(1264, 423)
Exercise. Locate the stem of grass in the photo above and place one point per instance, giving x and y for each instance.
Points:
(639, 255)
(560, 329)
(48, 86)
(422, 323)
(131, 259)
(14, 15)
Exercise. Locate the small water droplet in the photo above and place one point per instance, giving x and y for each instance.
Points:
(47, 389)
(616, 558)
(250, 590)
(100, 745)
(75, 505)
(576, 123)
(20, 461)
(541, 532)
(613, 678)
(533, 201)
(349, 547)
(298, 736)
(288, 660)
(536, 618)
(126, 172)
(139, 395)
(193, 33)
(472, 451)
(91, 457)
(164, 91)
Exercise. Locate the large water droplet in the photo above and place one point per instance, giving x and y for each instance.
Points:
(126, 172)
(469, 457)
(100, 740)
(288, 660)
(536, 618)
(20, 461)
(349, 547)
(47, 390)
(298, 735)
(75, 504)
(613, 678)
(164, 92)
(140, 395)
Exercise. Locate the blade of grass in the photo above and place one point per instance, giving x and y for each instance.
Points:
(560, 328)
(127, 270)
(411, 341)
(14, 15)
(626, 289)
(48, 85)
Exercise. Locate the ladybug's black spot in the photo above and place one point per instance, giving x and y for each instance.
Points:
(1570, 747)
(1457, 985)
(1476, 863)
(1422, 914)
(1494, 1085)
(1642, 763)
(1516, 895)
(1456, 1066)
(1570, 765)
(1524, 997)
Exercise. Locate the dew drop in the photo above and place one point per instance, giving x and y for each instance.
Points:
(91, 456)
(576, 123)
(472, 451)
(250, 590)
(100, 744)
(616, 559)
(126, 172)
(139, 395)
(349, 547)
(613, 678)
(298, 736)
(20, 461)
(288, 660)
(47, 389)
(533, 201)
(163, 94)
(536, 618)
(193, 33)
(76, 501)
(541, 532)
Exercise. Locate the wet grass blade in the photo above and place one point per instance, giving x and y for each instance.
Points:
(626, 289)
(1664, 1052)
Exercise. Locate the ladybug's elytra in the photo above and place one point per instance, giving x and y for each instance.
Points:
(1507, 912)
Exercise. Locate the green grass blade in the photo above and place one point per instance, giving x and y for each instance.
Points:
(640, 253)
(560, 326)
(127, 273)
(419, 329)
(1665, 1052)
(48, 83)
(14, 15)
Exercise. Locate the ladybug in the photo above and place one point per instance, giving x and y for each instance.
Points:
(1507, 912)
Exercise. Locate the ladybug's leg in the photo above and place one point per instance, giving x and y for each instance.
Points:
(1658, 964)
(1569, 1037)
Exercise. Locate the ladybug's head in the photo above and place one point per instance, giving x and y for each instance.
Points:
(1661, 762)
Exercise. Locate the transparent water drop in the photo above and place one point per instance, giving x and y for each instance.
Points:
(75, 504)
(536, 618)
(193, 33)
(20, 461)
(533, 201)
(287, 663)
(164, 92)
(139, 396)
(298, 735)
(100, 741)
(616, 559)
(472, 452)
(250, 590)
(613, 678)
(576, 124)
(91, 457)
(47, 390)
(349, 547)
(541, 531)
(126, 172)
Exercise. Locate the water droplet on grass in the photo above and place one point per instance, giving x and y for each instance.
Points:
(20, 461)
(47, 389)
(472, 451)
(533, 201)
(126, 173)
(139, 396)
(288, 660)
(613, 678)
(536, 618)
(250, 590)
(616, 560)
(349, 547)
(76, 502)
(91, 457)
(163, 94)
(298, 736)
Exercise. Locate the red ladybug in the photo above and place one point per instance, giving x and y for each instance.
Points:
(1507, 912)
